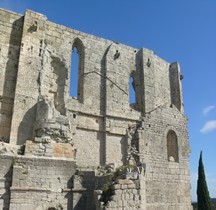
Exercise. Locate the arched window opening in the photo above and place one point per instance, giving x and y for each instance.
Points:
(74, 73)
(172, 146)
(132, 94)
(77, 70)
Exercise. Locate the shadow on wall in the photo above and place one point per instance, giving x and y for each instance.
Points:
(103, 83)
(7, 184)
(60, 75)
(7, 99)
(84, 199)
(124, 146)
(69, 195)
(26, 127)
(102, 135)
(175, 90)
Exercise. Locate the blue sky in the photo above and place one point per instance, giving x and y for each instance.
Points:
(176, 30)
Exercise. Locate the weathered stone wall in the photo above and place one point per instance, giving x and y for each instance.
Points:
(37, 110)
(164, 175)
(83, 189)
(44, 70)
(10, 33)
(127, 194)
(6, 164)
(60, 150)
(40, 183)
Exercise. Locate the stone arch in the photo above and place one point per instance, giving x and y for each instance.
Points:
(172, 146)
(77, 74)
(133, 91)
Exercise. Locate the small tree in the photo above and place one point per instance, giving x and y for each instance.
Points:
(203, 198)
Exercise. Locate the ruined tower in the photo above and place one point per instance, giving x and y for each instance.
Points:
(54, 146)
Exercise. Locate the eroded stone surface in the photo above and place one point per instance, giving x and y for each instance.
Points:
(66, 138)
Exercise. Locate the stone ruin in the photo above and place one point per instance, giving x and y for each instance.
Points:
(94, 150)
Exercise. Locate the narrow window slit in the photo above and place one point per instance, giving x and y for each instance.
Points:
(74, 73)
(132, 94)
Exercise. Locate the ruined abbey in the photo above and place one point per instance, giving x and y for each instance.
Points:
(95, 150)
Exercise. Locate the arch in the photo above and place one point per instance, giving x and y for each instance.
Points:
(77, 70)
(172, 146)
(132, 93)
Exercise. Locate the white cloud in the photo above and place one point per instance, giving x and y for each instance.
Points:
(207, 109)
(209, 126)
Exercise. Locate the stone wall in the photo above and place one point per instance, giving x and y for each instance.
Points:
(11, 33)
(164, 175)
(6, 164)
(44, 70)
(98, 126)
(42, 183)
(127, 194)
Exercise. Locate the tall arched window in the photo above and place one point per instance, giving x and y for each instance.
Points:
(74, 73)
(172, 147)
(77, 70)
(132, 94)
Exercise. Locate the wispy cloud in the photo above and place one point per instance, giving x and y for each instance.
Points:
(209, 126)
(207, 109)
